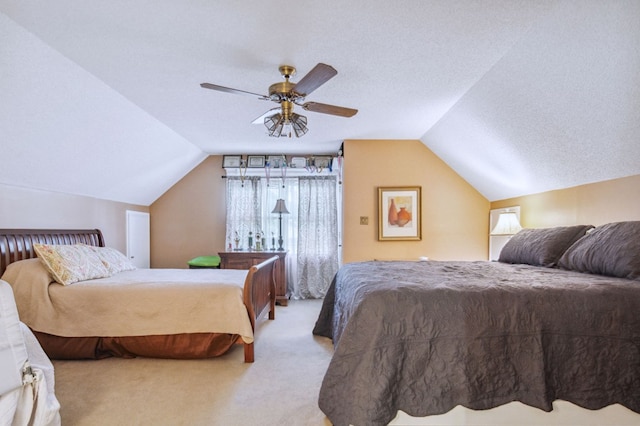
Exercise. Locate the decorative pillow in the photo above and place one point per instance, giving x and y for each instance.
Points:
(68, 264)
(612, 249)
(112, 259)
(541, 247)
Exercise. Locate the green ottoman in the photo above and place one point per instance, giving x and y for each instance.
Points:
(204, 262)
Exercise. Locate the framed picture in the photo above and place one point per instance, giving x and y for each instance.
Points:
(231, 161)
(322, 162)
(298, 162)
(399, 212)
(255, 161)
(276, 161)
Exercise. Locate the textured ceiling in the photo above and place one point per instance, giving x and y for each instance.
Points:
(517, 96)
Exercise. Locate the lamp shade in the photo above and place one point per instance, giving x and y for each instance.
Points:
(280, 207)
(508, 224)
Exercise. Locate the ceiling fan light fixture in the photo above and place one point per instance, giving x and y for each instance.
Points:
(274, 125)
(278, 126)
(299, 124)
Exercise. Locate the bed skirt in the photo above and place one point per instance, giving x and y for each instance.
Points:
(174, 346)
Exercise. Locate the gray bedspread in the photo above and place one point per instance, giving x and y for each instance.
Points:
(424, 337)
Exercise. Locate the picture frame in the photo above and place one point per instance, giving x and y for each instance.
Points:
(298, 162)
(231, 161)
(275, 161)
(400, 213)
(255, 161)
(322, 162)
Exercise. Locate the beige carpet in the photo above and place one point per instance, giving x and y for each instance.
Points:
(280, 388)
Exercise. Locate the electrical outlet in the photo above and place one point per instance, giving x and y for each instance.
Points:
(364, 220)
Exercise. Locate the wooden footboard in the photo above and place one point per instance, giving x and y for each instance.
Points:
(259, 296)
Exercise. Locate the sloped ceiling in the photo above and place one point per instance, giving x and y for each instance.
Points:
(103, 98)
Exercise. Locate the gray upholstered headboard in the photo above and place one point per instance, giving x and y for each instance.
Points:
(17, 244)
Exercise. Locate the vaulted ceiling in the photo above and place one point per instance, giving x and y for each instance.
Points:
(103, 98)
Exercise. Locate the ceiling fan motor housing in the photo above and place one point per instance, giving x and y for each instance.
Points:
(282, 91)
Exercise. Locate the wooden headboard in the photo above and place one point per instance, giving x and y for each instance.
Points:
(17, 244)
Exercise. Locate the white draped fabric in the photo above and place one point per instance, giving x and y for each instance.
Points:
(318, 236)
(310, 233)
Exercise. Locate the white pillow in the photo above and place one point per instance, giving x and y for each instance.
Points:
(68, 264)
(112, 259)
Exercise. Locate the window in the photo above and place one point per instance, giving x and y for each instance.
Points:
(310, 231)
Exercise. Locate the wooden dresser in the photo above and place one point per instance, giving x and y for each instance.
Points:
(246, 259)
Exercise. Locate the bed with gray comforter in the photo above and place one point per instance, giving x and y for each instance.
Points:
(424, 337)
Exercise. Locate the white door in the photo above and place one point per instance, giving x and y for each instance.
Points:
(138, 239)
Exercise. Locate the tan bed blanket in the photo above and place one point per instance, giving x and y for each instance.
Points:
(132, 303)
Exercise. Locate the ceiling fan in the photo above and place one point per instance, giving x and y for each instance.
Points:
(281, 121)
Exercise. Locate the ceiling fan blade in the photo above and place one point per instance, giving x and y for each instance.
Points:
(230, 90)
(319, 75)
(272, 111)
(329, 109)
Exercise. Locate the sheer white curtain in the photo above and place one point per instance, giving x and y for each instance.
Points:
(317, 237)
(309, 231)
(243, 210)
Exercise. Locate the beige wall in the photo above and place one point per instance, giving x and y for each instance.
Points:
(594, 204)
(31, 208)
(189, 219)
(454, 215)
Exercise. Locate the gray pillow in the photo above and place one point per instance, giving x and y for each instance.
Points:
(541, 247)
(612, 249)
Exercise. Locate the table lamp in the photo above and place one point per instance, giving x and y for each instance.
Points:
(280, 208)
